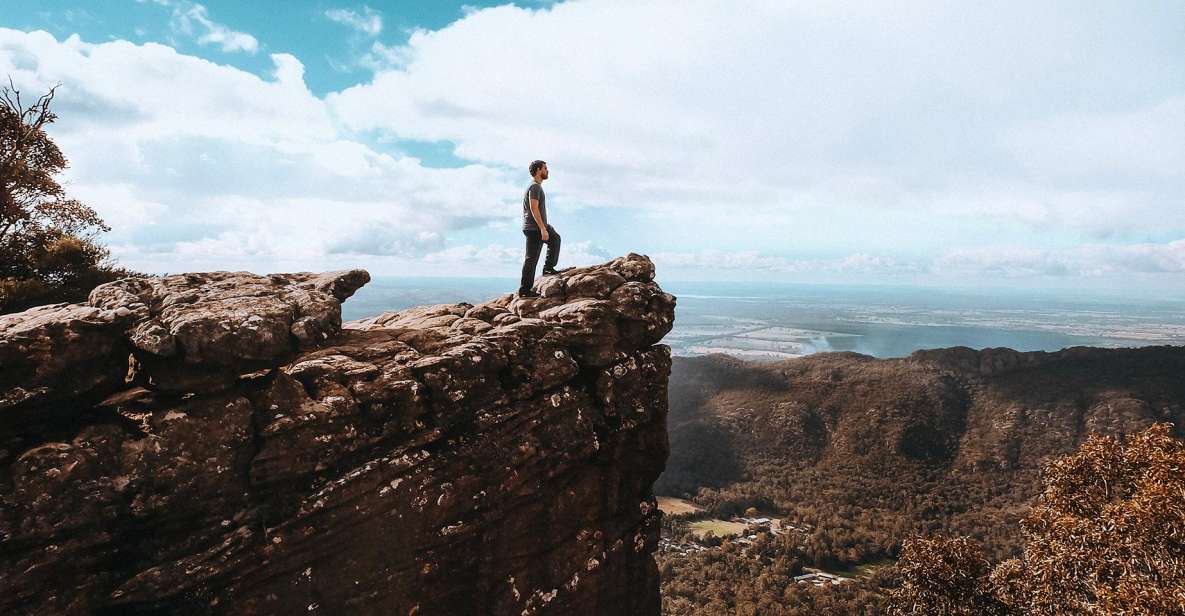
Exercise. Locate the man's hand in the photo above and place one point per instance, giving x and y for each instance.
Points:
(543, 234)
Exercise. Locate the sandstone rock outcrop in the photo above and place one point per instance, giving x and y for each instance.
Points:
(221, 443)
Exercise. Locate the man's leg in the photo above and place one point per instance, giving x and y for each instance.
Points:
(553, 250)
(534, 245)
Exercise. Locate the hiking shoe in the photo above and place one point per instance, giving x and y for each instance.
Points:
(528, 293)
(553, 272)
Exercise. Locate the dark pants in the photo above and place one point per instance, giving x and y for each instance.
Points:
(534, 245)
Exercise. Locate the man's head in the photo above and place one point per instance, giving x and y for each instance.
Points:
(538, 170)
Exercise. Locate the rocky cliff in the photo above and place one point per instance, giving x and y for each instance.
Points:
(222, 443)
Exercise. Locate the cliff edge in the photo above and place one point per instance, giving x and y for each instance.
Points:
(222, 443)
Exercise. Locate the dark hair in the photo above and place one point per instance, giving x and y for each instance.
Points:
(535, 167)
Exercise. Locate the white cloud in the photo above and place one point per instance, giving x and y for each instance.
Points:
(948, 114)
(1091, 260)
(193, 20)
(369, 21)
(574, 254)
(1142, 144)
(118, 204)
(1088, 261)
(471, 253)
(752, 261)
(848, 138)
(381, 57)
(195, 162)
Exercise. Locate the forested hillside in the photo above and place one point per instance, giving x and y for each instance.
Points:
(865, 452)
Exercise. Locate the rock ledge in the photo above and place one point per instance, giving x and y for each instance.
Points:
(221, 443)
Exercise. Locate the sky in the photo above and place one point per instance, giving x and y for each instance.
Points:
(997, 145)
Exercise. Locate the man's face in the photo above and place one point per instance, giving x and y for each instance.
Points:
(543, 172)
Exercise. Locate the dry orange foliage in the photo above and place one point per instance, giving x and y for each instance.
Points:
(1107, 536)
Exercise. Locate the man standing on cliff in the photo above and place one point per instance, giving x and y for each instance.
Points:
(538, 232)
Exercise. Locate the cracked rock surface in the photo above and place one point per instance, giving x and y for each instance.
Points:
(222, 443)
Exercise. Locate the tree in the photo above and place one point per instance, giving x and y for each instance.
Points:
(48, 250)
(943, 576)
(1107, 536)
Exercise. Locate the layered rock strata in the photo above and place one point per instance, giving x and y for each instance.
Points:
(221, 443)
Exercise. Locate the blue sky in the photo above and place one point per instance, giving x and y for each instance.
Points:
(937, 143)
(327, 48)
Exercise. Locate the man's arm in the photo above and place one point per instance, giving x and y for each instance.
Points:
(538, 218)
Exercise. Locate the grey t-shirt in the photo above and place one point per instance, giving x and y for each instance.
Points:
(536, 191)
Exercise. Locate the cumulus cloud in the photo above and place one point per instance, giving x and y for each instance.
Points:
(1145, 144)
(384, 238)
(575, 254)
(197, 162)
(472, 253)
(911, 141)
(946, 115)
(1091, 260)
(753, 261)
(1097, 261)
(368, 21)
